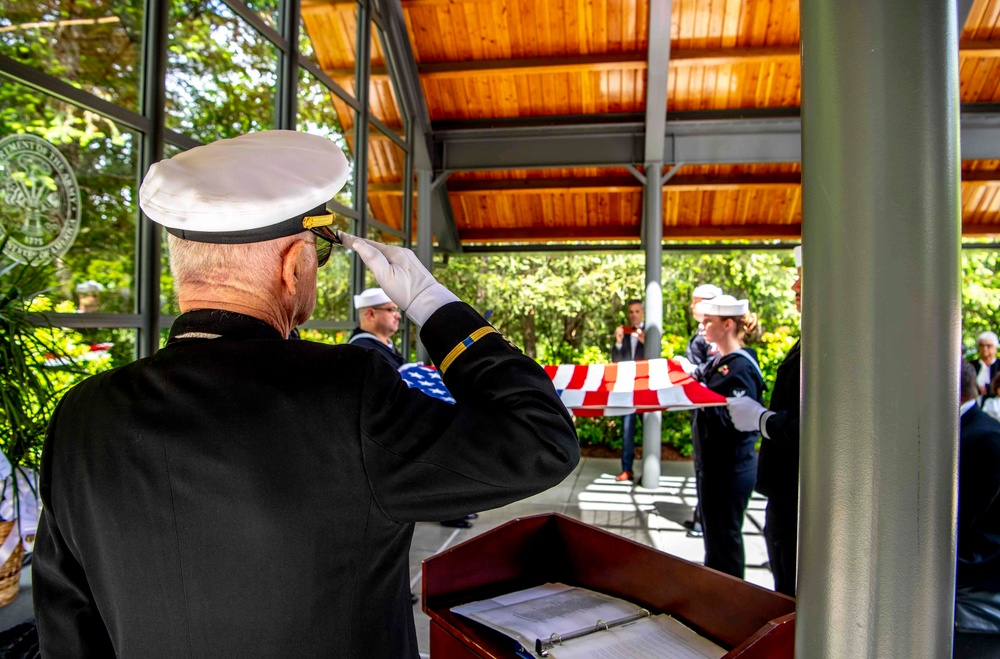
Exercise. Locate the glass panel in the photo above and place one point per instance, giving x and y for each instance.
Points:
(67, 198)
(386, 163)
(267, 10)
(92, 45)
(221, 74)
(322, 113)
(305, 42)
(168, 296)
(383, 96)
(98, 349)
(330, 337)
(333, 281)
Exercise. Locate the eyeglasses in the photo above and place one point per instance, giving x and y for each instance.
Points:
(320, 226)
(325, 240)
(393, 310)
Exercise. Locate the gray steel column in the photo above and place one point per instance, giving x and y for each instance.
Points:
(652, 421)
(149, 234)
(425, 248)
(880, 330)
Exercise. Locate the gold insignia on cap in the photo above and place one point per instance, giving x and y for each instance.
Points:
(317, 221)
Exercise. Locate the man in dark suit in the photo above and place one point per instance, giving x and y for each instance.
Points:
(241, 494)
(986, 364)
(977, 599)
(629, 346)
(778, 462)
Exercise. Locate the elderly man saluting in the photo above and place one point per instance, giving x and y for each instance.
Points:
(240, 494)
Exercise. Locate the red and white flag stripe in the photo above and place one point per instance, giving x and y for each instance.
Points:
(626, 387)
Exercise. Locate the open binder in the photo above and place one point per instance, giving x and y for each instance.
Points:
(750, 622)
(561, 621)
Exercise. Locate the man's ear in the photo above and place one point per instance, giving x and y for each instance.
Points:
(292, 264)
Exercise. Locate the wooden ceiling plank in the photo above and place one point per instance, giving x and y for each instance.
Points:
(702, 19)
(731, 22)
(614, 20)
(761, 19)
(630, 28)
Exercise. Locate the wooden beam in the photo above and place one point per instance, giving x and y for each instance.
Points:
(981, 177)
(980, 230)
(628, 232)
(630, 184)
(631, 61)
(604, 184)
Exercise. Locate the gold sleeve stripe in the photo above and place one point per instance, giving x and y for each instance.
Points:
(464, 345)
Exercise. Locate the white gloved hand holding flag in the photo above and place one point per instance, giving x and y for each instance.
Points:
(748, 415)
(403, 278)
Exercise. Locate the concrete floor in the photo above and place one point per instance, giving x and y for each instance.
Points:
(591, 494)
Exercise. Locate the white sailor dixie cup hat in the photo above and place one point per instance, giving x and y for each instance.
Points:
(706, 291)
(248, 189)
(797, 253)
(370, 297)
(723, 305)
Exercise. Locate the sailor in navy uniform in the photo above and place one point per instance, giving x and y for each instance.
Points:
(241, 494)
(699, 351)
(778, 468)
(729, 456)
(378, 320)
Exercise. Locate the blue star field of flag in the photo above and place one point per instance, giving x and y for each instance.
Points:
(427, 380)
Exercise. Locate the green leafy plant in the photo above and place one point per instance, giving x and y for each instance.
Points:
(31, 388)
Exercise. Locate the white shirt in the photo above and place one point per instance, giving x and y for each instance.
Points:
(983, 377)
(992, 407)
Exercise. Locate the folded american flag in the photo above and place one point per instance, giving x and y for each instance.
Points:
(600, 389)
(425, 379)
(626, 387)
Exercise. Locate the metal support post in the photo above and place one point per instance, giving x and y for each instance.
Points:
(425, 248)
(148, 248)
(880, 328)
(652, 421)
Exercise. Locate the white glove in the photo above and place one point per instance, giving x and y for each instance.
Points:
(747, 413)
(686, 364)
(403, 278)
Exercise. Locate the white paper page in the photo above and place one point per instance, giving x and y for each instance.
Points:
(659, 637)
(561, 613)
(510, 598)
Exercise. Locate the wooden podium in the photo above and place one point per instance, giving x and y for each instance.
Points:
(750, 621)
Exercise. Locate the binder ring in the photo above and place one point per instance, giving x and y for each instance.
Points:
(555, 639)
(601, 622)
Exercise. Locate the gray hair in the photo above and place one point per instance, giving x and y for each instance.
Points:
(991, 337)
(250, 266)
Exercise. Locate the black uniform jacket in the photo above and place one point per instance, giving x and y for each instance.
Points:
(979, 501)
(389, 353)
(250, 496)
(724, 448)
(778, 466)
(699, 351)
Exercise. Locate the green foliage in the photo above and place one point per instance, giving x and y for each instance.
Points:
(36, 363)
(980, 296)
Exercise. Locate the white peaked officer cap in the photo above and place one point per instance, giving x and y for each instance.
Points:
(370, 297)
(707, 291)
(252, 188)
(723, 305)
(797, 252)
